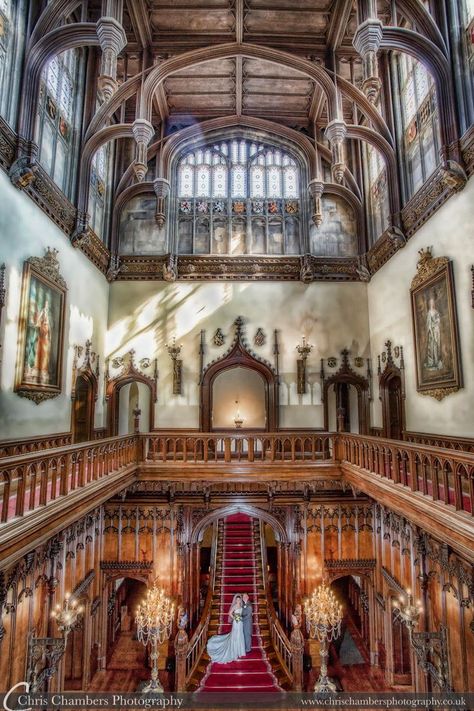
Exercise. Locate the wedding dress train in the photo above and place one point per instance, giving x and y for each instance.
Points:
(225, 648)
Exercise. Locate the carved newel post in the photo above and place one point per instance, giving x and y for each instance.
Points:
(297, 649)
(181, 646)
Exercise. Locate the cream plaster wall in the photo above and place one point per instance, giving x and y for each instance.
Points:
(26, 231)
(451, 233)
(146, 315)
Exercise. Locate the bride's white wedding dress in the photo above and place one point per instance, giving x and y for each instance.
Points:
(225, 648)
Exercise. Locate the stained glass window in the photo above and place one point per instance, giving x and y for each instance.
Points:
(243, 189)
(418, 111)
(56, 114)
(239, 181)
(377, 193)
(5, 36)
(99, 190)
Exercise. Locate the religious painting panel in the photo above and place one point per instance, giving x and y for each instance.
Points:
(435, 329)
(41, 329)
(238, 240)
(337, 234)
(139, 232)
(220, 236)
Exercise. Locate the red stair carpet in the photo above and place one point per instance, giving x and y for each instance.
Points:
(252, 672)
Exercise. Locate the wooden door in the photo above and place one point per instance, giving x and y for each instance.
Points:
(83, 409)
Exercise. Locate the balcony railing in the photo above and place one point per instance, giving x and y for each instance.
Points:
(231, 447)
(29, 481)
(445, 475)
(35, 479)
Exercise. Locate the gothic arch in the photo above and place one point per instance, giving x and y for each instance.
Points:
(240, 355)
(345, 374)
(239, 508)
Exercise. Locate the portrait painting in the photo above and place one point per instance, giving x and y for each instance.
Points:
(41, 328)
(435, 331)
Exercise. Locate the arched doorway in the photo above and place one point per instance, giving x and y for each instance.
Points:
(122, 398)
(392, 393)
(83, 409)
(261, 375)
(346, 400)
(238, 397)
(134, 401)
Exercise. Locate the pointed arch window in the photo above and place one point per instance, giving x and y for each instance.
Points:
(57, 124)
(419, 136)
(238, 196)
(377, 192)
(99, 192)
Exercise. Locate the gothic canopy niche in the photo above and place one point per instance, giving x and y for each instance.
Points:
(128, 373)
(240, 355)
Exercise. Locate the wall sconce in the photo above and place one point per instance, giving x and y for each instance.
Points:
(407, 611)
(238, 420)
(304, 349)
(45, 653)
(175, 351)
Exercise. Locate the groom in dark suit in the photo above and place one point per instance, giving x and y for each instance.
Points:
(247, 614)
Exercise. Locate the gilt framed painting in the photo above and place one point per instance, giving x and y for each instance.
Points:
(435, 327)
(41, 329)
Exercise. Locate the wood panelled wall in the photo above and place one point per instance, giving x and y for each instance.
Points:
(385, 552)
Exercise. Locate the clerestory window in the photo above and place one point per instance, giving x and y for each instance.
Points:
(238, 196)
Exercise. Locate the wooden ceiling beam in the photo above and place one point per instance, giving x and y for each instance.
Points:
(138, 12)
(239, 88)
(338, 25)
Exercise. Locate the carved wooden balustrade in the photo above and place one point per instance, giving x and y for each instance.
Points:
(29, 481)
(12, 447)
(225, 447)
(446, 475)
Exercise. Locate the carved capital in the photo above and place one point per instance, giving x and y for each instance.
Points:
(368, 36)
(111, 34)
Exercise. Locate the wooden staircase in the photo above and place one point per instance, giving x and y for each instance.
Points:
(254, 585)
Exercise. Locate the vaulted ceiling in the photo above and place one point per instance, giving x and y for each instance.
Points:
(318, 30)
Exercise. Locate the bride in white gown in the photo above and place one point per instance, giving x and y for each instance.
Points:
(225, 648)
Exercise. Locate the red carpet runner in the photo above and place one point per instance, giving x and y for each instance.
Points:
(252, 672)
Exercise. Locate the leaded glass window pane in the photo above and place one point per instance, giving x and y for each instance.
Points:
(274, 182)
(185, 184)
(238, 181)
(290, 178)
(219, 182)
(203, 176)
(52, 77)
(257, 181)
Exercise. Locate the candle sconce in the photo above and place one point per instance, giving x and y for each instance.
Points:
(304, 349)
(175, 351)
(238, 420)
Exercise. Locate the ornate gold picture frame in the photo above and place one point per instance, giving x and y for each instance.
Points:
(435, 327)
(41, 329)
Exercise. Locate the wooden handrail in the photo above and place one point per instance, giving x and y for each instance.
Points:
(281, 643)
(445, 475)
(198, 641)
(235, 446)
(32, 480)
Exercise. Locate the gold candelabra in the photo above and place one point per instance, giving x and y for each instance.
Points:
(408, 611)
(66, 615)
(304, 349)
(323, 621)
(154, 622)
